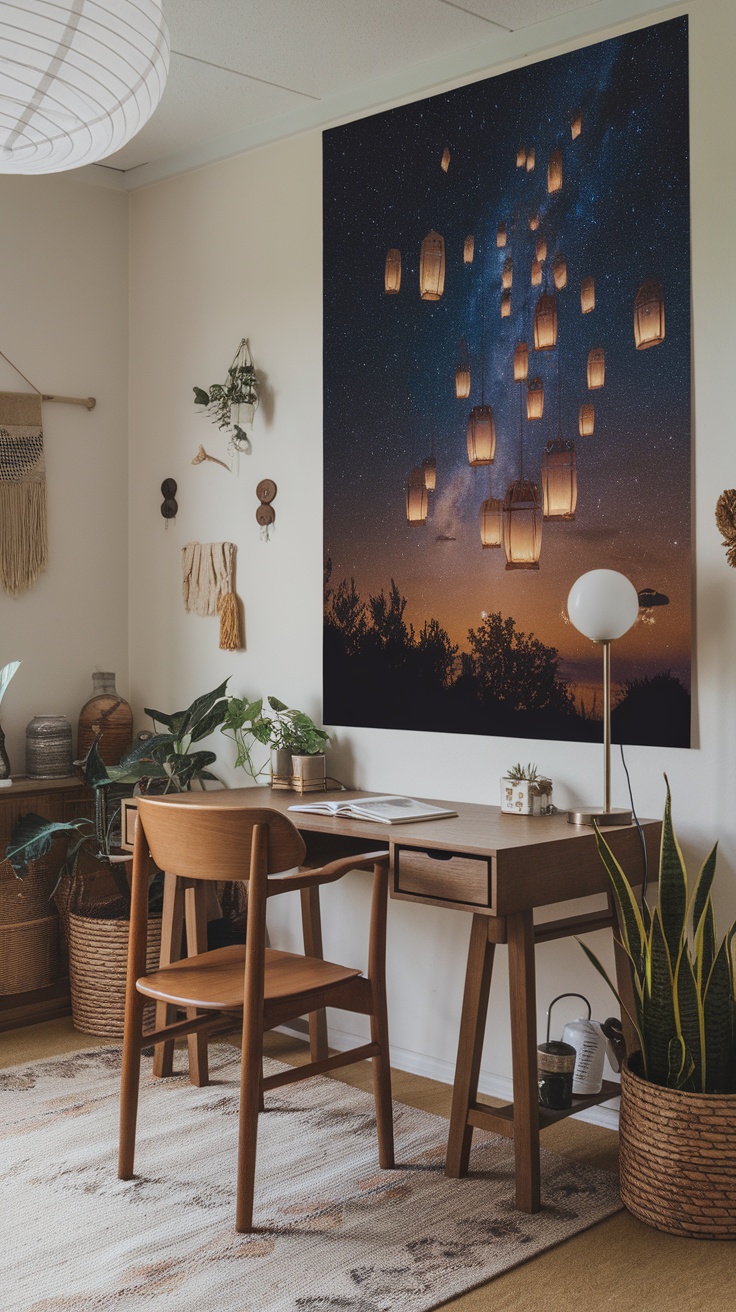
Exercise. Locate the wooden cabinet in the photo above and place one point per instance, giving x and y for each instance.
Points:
(55, 799)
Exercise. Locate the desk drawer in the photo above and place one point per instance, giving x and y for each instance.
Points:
(435, 874)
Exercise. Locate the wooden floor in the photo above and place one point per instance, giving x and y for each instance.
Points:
(619, 1265)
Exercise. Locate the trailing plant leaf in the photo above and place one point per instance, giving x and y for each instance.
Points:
(200, 396)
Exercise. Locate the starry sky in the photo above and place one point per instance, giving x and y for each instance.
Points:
(621, 217)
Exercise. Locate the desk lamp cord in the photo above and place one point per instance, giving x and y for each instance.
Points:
(642, 840)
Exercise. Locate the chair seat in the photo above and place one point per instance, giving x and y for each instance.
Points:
(214, 980)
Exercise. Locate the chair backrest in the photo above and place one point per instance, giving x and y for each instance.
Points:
(209, 840)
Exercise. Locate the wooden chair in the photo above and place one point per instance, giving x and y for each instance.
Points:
(254, 984)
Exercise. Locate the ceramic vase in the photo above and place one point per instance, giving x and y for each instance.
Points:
(108, 715)
(49, 747)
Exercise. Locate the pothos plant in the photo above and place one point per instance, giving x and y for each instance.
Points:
(223, 401)
(246, 724)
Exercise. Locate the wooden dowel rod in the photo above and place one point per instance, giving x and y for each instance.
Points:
(88, 402)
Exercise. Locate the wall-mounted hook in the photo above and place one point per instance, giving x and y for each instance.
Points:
(265, 514)
(169, 505)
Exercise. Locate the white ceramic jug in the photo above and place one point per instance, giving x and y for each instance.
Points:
(592, 1046)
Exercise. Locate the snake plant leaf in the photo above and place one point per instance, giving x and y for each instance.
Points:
(705, 944)
(718, 1013)
(672, 883)
(6, 674)
(659, 1008)
(703, 886)
(680, 1063)
(630, 921)
(592, 958)
(689, 1015)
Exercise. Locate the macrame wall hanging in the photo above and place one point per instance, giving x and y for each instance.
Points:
(208, 581)
(23, 537)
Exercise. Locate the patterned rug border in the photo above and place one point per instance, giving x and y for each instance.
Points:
(442, 1241)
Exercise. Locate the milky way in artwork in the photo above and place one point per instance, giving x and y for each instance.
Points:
(567, 179)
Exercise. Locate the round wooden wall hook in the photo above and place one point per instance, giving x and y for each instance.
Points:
(169, 505)
(265, 514)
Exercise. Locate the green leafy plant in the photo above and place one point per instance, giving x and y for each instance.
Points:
(683, 977)
(172, 751)
(245, 724)
(240, 388)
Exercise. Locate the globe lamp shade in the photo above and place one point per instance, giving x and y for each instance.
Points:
(603, 605)
(77, 80)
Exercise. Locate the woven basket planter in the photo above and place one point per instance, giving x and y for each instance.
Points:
(29, 955)
(678, 1158)
(98, 960)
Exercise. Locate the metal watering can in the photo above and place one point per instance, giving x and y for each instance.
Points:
(593, 1041)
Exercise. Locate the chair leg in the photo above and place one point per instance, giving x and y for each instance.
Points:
(129, 1085)
(171, 941)
(251, 1067)
(382, 1087)
(196, 925)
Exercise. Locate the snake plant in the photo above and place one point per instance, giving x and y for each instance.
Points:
(683, 977)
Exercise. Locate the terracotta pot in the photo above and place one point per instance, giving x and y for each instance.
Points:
(678, 1158)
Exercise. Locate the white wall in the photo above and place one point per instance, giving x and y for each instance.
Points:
(235, 249)
(64, 277)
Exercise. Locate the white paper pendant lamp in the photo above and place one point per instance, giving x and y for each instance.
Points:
(78, 79)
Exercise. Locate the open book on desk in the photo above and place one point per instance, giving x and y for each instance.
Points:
(384, 810)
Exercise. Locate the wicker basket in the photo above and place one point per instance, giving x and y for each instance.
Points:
(29, 955)
(98, 958)
(678, 1158)
(27, 899)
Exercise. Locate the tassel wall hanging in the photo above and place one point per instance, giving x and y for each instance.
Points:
(23, 539)
(208, 582)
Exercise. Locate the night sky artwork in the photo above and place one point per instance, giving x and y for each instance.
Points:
(517, 246)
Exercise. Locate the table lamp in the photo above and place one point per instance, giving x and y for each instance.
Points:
(603, 605)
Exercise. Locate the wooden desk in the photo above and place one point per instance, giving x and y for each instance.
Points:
(500, 868)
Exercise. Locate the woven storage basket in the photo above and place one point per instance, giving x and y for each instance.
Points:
(678, 1158)
(29, 955)
(98, 959)
(27, 899)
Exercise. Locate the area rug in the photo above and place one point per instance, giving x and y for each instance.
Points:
(335, 1233)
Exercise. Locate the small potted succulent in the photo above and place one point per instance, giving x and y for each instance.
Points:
(525, 792)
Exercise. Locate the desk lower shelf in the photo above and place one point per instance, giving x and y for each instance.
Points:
(500, 1120)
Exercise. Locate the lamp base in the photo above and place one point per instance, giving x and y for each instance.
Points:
(598, 815)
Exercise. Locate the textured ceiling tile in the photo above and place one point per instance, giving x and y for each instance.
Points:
(516, 14)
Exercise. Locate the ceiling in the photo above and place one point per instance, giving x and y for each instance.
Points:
(244, 71)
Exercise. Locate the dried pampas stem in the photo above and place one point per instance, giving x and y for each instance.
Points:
(726, 523)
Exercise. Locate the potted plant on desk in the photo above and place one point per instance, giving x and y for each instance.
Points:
(297, 745)
(97, 927)
(678, 1092)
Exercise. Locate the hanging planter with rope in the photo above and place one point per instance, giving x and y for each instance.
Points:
(234, 402)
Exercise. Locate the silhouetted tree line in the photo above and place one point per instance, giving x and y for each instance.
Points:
(379, 672)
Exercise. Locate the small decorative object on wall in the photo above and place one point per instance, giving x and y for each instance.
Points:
(524, 792)
(108, 715)
(234, 402)
(6, 674)
(208, 585)
(726, 523)
(169, 505)
(49, 747)
(265, 514)
(203, 455)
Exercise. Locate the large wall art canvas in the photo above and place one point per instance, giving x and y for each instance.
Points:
(507, 398)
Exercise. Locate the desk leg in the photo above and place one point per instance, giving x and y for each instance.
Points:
(172, 925)
(470, 1046)
(195, 914)
(312, 928)
(522, 991)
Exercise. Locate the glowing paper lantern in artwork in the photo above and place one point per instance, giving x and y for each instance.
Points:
(432, 267)
(469, 249)
(392, 276)
(559, 480)
(587, 295)
(531, 159)
(522, 525)
(491, 522)
(481, 436)
(507, 272)
(545, 323)
(521, 362)
(445, 161)
(462, 382)
(429, 469)
(521, 157)
(596, 368)
(559, 272)
(417, 500)
(501, 235)
(576, 124)
(534, 223)
(554, 172)
(535, 398)
(536, 273)
(540, 249)
(586, 420)
(505, 305)
(648, 316)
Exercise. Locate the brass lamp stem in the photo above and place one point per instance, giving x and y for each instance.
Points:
(606, 724)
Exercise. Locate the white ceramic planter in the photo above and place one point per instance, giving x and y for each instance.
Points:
(520, 797)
